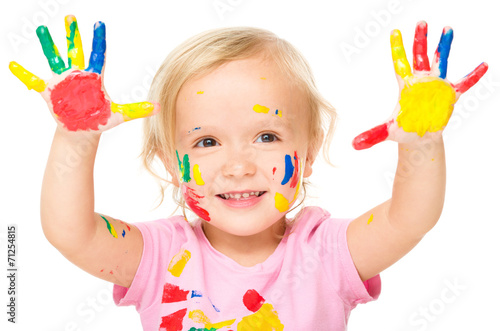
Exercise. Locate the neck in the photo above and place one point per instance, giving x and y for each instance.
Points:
(246, 250)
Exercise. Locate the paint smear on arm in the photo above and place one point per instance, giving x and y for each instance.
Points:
(370, 219)
(110, 227)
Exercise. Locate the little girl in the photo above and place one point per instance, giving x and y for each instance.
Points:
(238, 125)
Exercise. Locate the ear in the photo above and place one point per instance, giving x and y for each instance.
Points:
(312, 153)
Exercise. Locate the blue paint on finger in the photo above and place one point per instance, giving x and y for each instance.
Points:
(444, 51)
(96, 61)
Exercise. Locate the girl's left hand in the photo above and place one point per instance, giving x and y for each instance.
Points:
(426, 97)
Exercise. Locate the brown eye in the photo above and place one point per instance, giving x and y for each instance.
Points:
(267, 138)
(207, 142)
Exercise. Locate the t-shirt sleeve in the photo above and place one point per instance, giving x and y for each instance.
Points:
(158, 243)
(134, 295)
(330, 240)
(357, 290)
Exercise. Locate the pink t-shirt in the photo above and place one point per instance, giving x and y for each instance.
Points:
(308, 283)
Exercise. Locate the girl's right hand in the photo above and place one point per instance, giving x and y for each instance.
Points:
(76, 97)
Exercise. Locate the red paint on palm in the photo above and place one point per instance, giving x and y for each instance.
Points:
(79, 101)
(371, 137)
(172, 293)
(253, 300)
(173, 322)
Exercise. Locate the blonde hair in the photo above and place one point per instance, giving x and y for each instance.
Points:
(204, 53)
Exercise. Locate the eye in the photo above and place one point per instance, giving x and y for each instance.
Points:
(267, 138)
(207, 142)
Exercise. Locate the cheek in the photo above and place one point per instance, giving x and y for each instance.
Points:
(193, 201)
(289, 183)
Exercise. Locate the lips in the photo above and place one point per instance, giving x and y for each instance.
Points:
(241, 199)
(240, 195)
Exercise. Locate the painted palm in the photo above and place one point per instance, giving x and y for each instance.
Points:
(76, 96)
(426, 97)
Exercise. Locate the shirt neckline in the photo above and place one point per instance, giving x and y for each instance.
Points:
(268, 265)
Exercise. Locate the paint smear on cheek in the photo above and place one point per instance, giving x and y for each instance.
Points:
(79, 102)
(192, 200)
(184, 167)
(296, 173)
(197, 175)
(200, 92)
(288, 169)
(280, 202)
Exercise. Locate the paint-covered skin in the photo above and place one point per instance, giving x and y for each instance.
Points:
(75, 95)
(426, 97)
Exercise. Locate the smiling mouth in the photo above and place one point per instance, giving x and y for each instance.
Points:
(241, 195)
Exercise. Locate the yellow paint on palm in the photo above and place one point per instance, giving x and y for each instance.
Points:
(75, 48)
(280, 202)
(31, 81)
(265, 318)
(199, 316)
(197, 175)
(178, 262)
(260, 109)
(401, 65)
(132, 111)
(426, 106)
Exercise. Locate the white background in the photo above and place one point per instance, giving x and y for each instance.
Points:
(462, 249)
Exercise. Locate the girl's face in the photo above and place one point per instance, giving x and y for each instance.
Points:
(242, 142)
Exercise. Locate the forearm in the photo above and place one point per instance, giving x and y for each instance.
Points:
(67, 200)
(419, 186)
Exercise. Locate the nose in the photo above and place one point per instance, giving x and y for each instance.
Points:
(239, 163)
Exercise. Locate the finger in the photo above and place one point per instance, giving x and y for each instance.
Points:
(56, 63)
(471, 79)
(401, 65)
(440, 63)
(31, 81)
(420, 59)
(75, 48)
(96, 61)
(371, 137)
(132, 111)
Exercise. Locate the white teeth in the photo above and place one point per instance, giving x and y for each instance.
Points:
(240, 195)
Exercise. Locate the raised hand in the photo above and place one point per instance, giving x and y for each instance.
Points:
(76, 96)
(426, 97)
